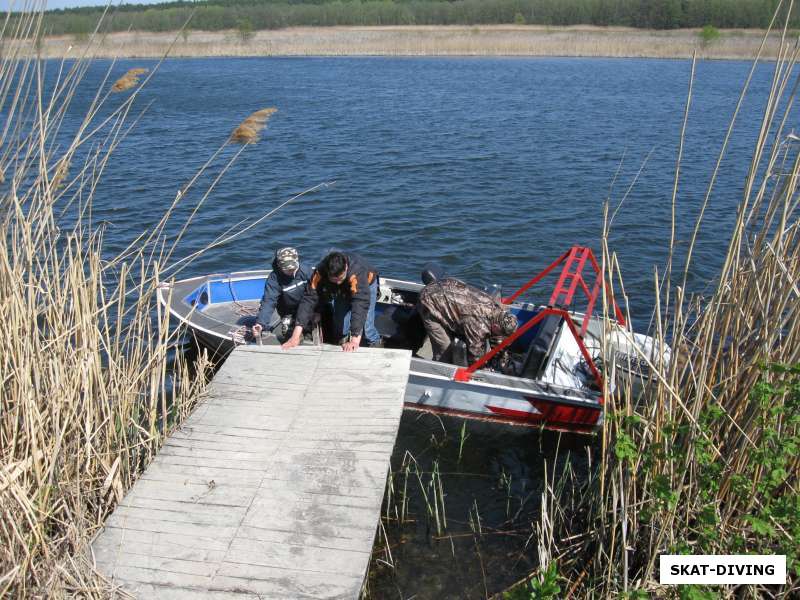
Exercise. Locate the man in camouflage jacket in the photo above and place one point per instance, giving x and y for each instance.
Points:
(450, 307)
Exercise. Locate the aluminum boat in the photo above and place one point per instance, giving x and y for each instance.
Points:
(547, 374)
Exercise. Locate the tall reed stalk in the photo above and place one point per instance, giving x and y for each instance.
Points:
(88, 389)
(707, 459)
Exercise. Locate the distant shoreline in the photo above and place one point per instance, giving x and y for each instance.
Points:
(484, 40)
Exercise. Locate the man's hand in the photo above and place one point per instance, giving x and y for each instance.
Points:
(352, 345)
(291, 343)
(297, 337)
(257, 329)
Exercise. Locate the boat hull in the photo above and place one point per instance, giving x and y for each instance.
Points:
(490, 396)
(490, 403)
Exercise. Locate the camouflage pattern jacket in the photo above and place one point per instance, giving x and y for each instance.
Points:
(464, 310)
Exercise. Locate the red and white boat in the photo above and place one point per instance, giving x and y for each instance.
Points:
(550, 377)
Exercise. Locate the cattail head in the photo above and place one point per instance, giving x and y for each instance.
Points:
(61, 172)
(247, 132)
(129, 80)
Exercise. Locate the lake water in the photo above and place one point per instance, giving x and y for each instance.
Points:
(492, 167)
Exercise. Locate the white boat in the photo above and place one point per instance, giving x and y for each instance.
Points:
(552, 379)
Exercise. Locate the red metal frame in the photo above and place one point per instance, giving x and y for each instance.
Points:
(535, 280)
(465, 373)
(562, 296)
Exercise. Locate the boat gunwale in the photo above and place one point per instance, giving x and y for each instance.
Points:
(530, 386)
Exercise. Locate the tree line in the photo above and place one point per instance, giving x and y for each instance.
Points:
(214, 15)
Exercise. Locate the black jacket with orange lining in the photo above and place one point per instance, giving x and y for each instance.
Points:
(360, 275)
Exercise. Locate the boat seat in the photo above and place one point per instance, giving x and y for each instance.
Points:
(540, 347)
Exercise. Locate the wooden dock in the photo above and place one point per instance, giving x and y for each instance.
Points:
(273, 486)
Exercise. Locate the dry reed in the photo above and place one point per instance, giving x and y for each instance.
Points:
(88, 388)
(129, 80)
(248, 130)
(707, 459)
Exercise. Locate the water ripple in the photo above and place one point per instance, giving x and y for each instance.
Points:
(492, 167)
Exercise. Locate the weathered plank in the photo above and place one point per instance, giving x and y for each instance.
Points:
(272, 488)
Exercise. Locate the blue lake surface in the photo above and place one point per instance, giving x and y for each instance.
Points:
(492, 167)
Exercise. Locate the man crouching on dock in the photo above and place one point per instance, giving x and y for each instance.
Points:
(283, 292)
(352, 285)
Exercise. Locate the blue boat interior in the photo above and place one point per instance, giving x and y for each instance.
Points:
(218, 291)
(398, 323)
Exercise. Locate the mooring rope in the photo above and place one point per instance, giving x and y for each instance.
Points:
(241, 309)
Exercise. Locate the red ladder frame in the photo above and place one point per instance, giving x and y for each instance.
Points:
(562, 296)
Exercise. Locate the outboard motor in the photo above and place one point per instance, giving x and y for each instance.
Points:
(432, 272)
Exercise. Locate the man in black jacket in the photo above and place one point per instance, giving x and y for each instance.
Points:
(283, 290)
(352, 285)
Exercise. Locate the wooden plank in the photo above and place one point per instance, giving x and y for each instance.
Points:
(222, 451)
(181, 513)
(192, 493)
(159, 543)
(325, 561)
(295, 538)
(272, 488)
(174, 592)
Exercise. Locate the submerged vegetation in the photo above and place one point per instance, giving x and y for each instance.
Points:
(215, 15)
(460, 512)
